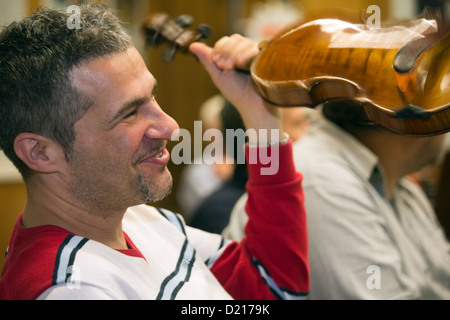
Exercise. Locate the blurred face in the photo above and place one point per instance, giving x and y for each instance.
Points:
(119, 157)
(426, 152)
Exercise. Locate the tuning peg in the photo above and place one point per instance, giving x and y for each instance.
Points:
(204, 30)
(184, 20)
(169, 53)
(154, 39)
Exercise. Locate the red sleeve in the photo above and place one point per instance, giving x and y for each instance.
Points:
(271, 262)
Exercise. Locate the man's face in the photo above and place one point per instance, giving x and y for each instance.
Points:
(119, 156)
(427, 152)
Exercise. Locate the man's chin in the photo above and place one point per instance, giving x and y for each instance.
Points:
(161, 197)
(157, 191)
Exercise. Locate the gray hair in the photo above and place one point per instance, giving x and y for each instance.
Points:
(36, 57)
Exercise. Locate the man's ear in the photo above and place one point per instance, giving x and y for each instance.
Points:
(38, 153)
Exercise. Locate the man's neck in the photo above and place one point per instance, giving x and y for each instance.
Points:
(393, 151)
(44, 207)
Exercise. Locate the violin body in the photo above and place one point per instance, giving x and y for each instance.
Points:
(396, 76)
(396, 83)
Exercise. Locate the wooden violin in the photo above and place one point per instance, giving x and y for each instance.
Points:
(396, 76)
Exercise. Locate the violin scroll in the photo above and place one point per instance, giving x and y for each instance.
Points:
(160, 28)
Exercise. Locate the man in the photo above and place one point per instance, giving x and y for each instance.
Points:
(80, 121)
(372, 232)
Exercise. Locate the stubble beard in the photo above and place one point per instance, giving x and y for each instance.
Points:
(100, 197)
(151, 192)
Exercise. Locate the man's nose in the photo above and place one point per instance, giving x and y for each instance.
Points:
(162, 127)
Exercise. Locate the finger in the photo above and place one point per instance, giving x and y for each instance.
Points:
(248, 50)
(222, 53)
(204, 54)
(234, 52)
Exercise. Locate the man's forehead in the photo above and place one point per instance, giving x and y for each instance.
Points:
(84, 76)
(100, 73)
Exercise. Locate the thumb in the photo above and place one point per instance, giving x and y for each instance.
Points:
(204, 54)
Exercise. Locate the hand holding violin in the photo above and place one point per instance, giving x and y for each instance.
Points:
(222, 62)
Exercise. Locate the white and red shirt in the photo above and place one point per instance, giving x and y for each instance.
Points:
(169, 260)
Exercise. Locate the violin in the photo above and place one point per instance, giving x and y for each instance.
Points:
(396, 76)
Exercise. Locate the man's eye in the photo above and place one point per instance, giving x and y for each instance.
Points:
(131, 114)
